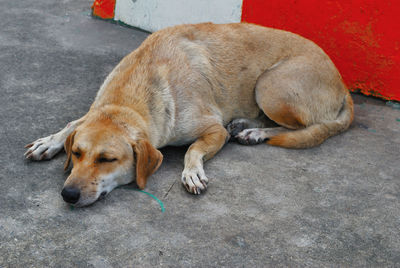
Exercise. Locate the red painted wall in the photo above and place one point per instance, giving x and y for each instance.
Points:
(104, 8)
(362, 37)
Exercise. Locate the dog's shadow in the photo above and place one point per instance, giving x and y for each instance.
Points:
(173, 154)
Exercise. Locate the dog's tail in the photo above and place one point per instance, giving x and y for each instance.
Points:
(316, 134)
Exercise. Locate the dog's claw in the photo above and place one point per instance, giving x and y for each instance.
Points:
(27, 153)
(186, 186)
(43, 156)
(44, 148)
(194, 181)
(28, 145)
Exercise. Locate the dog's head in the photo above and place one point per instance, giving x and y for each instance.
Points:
(104, 158)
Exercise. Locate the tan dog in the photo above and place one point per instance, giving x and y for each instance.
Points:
(199, 84)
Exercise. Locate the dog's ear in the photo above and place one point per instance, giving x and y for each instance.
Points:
(68, 148)
(148, 160)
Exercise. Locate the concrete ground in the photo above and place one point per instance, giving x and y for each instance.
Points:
(334, 205)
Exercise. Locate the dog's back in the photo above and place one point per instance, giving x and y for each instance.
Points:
(209, 72)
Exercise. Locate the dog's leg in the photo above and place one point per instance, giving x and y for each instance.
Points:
(204, 148)
(306, 95)
(47, 147)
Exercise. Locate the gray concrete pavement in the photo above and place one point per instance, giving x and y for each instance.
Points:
(334, 205)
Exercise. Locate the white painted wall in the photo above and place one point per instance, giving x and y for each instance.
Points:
(153, 15)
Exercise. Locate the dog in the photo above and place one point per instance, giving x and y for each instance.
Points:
(199, 84)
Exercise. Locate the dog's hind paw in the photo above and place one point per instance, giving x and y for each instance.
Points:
(43, 149)
(235, 127)
(251, 136)
(194, 181)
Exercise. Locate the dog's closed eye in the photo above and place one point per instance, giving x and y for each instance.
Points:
(77, 154)
(106, 160)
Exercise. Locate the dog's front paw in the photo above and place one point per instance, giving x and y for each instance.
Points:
(44, 148)
(251, 136)
(194, 180)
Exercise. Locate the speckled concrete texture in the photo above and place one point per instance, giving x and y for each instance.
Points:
(334, 205)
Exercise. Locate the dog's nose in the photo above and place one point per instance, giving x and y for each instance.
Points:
(71, 194)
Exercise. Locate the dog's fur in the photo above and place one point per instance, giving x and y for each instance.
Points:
(189, 84)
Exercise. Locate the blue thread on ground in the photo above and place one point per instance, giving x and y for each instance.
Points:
(149, 194)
